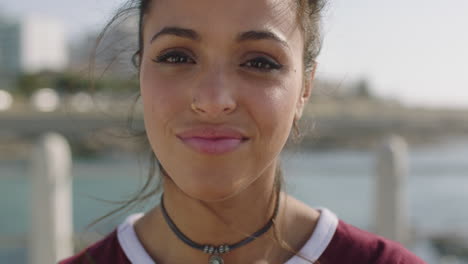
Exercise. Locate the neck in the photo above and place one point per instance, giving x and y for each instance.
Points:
(212, 223)
(221, 222)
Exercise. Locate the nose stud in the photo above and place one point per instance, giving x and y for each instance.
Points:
(195, 107)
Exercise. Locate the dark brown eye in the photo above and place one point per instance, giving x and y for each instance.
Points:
(262, 64)
(174, 57)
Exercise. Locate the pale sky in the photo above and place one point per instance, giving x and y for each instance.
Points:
(412, 50)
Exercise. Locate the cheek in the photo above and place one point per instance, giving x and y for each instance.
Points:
(161, 101)
(283, 98)
(153, 91)
(273, 109)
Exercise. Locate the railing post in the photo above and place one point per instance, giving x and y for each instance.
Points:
(391, 204)
(51, 234)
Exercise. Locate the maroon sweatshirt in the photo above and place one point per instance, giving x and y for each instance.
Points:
(333, 242)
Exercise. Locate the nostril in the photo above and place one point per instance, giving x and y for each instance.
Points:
(213, 105)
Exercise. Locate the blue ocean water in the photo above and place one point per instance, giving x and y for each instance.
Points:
(341, 180)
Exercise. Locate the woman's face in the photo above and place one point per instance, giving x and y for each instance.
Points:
(221, 83)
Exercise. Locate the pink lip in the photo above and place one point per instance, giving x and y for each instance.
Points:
(209, 140)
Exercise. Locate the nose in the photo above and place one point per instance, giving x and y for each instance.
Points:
(213, 95)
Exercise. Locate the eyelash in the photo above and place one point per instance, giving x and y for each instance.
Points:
(176, 57)
(259, 63)
(262, 64)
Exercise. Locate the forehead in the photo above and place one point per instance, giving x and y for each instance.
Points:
(225, 17)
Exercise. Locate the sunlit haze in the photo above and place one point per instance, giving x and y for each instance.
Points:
(414, 51)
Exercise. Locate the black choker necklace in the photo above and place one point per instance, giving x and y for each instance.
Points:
(217, 251)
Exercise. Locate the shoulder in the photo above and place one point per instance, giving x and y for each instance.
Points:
(353, 245)
(106, 251)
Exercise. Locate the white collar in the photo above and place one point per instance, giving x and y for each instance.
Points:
(312, 250)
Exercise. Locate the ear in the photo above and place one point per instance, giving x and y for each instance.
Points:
(305, 93)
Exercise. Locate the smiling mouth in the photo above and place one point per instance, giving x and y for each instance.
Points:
(213, 146)
(212, 140)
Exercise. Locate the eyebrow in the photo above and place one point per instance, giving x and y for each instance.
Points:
(177, 31)
(245, 36)
(260, 35)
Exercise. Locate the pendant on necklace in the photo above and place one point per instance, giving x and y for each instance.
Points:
(216, 259)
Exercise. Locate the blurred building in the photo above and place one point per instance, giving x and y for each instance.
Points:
(10, 65)
(31, 45)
